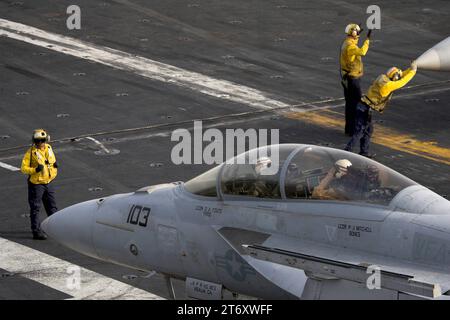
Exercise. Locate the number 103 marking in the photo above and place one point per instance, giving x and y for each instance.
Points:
(138, 215)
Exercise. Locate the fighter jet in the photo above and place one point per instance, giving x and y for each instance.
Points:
(328, 224)
(437, 58)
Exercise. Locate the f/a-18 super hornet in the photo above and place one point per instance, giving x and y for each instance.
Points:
(323, 224)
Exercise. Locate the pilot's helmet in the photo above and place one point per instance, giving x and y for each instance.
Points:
(262, 164)
(342, 166)
(292, 167)
(372, 173)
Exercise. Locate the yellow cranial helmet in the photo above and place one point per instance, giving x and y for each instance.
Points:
(352, 27)
(394, 73)
(40, 135)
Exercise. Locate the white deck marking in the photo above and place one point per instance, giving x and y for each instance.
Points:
(145, 67)
(52, 272)
(8, 167)
(98, 143)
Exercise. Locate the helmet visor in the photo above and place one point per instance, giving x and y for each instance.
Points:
(39, 140)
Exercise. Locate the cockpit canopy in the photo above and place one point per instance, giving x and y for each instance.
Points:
(301, 172)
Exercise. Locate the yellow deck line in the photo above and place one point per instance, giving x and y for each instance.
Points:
(383, 136)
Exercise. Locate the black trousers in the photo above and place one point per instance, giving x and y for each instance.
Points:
(37, 194)
(352, 94)
(363, 130)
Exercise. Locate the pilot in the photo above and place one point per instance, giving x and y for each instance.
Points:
(359, 184)
(293, 170)
(264, 187)
(377, 98)
(293, 184)
(373, 189)
(373, 177)
(39, 163)
(351, 72)
(330, 187)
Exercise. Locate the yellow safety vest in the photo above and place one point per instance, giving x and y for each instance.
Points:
(382, 89)
(350, 59)
(46, 158)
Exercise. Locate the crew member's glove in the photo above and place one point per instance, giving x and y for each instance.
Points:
(39, 168)
(369, 33)
(414, 65)
(55, 165)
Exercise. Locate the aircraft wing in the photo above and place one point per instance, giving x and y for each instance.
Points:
(328, 262)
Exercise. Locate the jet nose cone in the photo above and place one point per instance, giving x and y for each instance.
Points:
(73, 226)
(44, 226)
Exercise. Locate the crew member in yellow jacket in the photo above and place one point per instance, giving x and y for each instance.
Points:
(39, 163)
(351, 72)
(377, 98)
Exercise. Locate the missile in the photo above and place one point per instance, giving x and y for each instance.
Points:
(437, 58)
